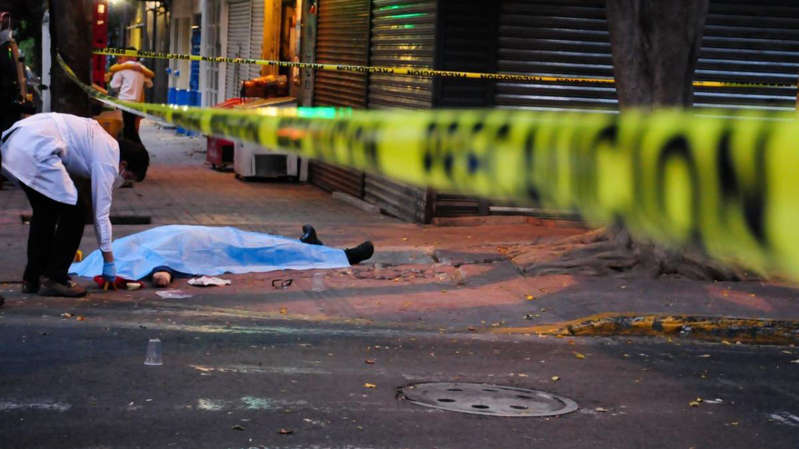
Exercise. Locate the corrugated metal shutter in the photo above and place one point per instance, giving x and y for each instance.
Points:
(342, 37)
(561, 38)
(750, 42)
(403, 35)
(336, 179)
(238, 45)
(466, 40)
(400, 200)
(743, 41)
(256, 36)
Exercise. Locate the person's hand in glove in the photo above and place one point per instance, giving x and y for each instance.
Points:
(109, 273)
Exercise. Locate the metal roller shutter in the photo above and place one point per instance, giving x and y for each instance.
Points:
(403, 35)
(238, 45)
(342, 38)
(746, 41)
(743, 41)
(336, 179)
(559, 38)
(466, 40)
(256, 36)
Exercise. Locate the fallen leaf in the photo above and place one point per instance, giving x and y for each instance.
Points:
(530, 297)
(369, 362)
(725, 342)
(238, 427)
(368, 385)
(522, 375)
(80, 318)
(693, 404)
(555, 378)
(66, 315)
(285, 431)
(579, 355)
(283, 310)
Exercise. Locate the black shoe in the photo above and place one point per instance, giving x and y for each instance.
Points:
(360, 253)
(309, 235)
(29, 288)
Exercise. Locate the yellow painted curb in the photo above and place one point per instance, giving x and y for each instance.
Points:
(744, 330)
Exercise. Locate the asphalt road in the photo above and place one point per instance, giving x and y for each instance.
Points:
(235, 384)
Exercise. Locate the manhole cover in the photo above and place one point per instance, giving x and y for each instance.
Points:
(487, 399)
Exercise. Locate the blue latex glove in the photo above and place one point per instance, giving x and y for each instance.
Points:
(109, 271)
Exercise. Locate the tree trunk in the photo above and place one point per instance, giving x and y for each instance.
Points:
(655, 45)
(70, 29)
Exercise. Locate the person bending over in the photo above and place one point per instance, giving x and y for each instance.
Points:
(45, 153)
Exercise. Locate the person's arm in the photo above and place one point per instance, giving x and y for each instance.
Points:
(103, 176)
(115, 84)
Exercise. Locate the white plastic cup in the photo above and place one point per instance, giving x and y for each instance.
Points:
(318, 282)
(153, 357)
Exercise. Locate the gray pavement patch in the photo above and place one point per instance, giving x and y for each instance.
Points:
(254, 369)
(45, 404)
(786, 418)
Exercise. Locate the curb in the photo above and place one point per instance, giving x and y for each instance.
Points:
(720, 329)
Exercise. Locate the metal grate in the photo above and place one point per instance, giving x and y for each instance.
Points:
(487, 399)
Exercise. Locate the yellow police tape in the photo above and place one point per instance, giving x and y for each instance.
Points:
(403, 70)
(726, 183)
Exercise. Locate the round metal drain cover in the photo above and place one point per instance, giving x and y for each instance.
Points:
(487, 399)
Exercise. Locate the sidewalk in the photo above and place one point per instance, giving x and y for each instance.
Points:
(436, 278)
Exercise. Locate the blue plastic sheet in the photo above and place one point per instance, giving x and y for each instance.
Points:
(198, 250)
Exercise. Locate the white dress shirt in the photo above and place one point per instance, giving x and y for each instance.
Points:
(44, 150)
(130, 83)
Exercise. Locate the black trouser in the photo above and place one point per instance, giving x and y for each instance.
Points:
(55, 233)
(129, 130)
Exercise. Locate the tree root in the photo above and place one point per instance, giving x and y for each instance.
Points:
(613, 252)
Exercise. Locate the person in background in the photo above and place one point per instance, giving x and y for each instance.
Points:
(47, 153)
(12, 77)
(128, 83)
